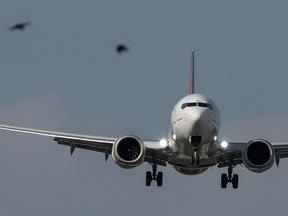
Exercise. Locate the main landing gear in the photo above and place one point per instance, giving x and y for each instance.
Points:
(229, 178)
(154, 175)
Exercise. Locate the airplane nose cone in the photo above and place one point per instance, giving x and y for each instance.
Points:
(196, 124)
(192, 124)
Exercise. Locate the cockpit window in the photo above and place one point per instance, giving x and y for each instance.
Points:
(195, 104)
(188, 105)
(203, 105)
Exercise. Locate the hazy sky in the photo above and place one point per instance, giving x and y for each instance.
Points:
(63, 74)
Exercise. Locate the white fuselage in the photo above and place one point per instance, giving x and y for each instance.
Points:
(195, 122)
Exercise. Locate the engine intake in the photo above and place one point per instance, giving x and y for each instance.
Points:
(258, 156)
(128, 152)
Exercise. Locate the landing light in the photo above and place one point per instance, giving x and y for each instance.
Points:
(163, 143)
(224, 144)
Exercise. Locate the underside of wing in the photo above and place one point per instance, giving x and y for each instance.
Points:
(281, 151)
(126, 147)
(232, 154)
(156, 153)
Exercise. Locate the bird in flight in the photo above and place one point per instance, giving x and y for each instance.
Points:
(121, 48)
(19, 26)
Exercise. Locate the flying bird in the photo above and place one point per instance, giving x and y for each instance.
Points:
(121, 48)
(19, 26)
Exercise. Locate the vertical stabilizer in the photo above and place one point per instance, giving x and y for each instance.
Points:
(191, 84)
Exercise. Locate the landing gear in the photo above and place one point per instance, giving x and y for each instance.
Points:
(229, 178)
(154, 175)
(224, 180)
(149, 178)
(235, 181)
(195, 158)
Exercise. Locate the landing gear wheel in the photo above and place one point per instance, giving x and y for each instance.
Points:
(235, 181)
(224, 180)
(148, 178)
(159, 179)
(229, 178)
(154, 176)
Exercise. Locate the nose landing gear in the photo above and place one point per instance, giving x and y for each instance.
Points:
(154, 175)
(195, 158)
(229, 178)
(195, 142)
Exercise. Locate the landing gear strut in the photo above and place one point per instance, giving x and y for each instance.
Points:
(229, 178)
(195, 158)
(154, 175)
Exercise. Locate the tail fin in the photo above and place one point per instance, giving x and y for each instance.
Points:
(191, 84)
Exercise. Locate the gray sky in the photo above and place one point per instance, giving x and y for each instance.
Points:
(63, 74)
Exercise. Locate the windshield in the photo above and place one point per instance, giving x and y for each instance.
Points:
(196, 104)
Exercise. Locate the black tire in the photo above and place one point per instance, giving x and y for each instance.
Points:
(235, 181)
(148, 178)
(159, 179)
(224, 180)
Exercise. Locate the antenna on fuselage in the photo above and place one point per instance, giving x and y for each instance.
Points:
(191, 84)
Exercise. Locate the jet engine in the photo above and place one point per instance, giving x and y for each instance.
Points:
(128, 152)
(258, 155)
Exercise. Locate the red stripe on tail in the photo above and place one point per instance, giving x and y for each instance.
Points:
(191, 84)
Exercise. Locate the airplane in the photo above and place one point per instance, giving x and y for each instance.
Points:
(191, 147)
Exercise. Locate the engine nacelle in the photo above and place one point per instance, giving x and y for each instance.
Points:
(128, 152)
(258, 155)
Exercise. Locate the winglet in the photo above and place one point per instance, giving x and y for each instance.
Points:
(191, 84)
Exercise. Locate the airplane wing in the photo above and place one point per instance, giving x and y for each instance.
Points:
(233, 153)
(154, 151)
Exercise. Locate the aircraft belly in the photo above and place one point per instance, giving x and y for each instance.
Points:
(184, 157)
(190, 171)
(186, 150)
